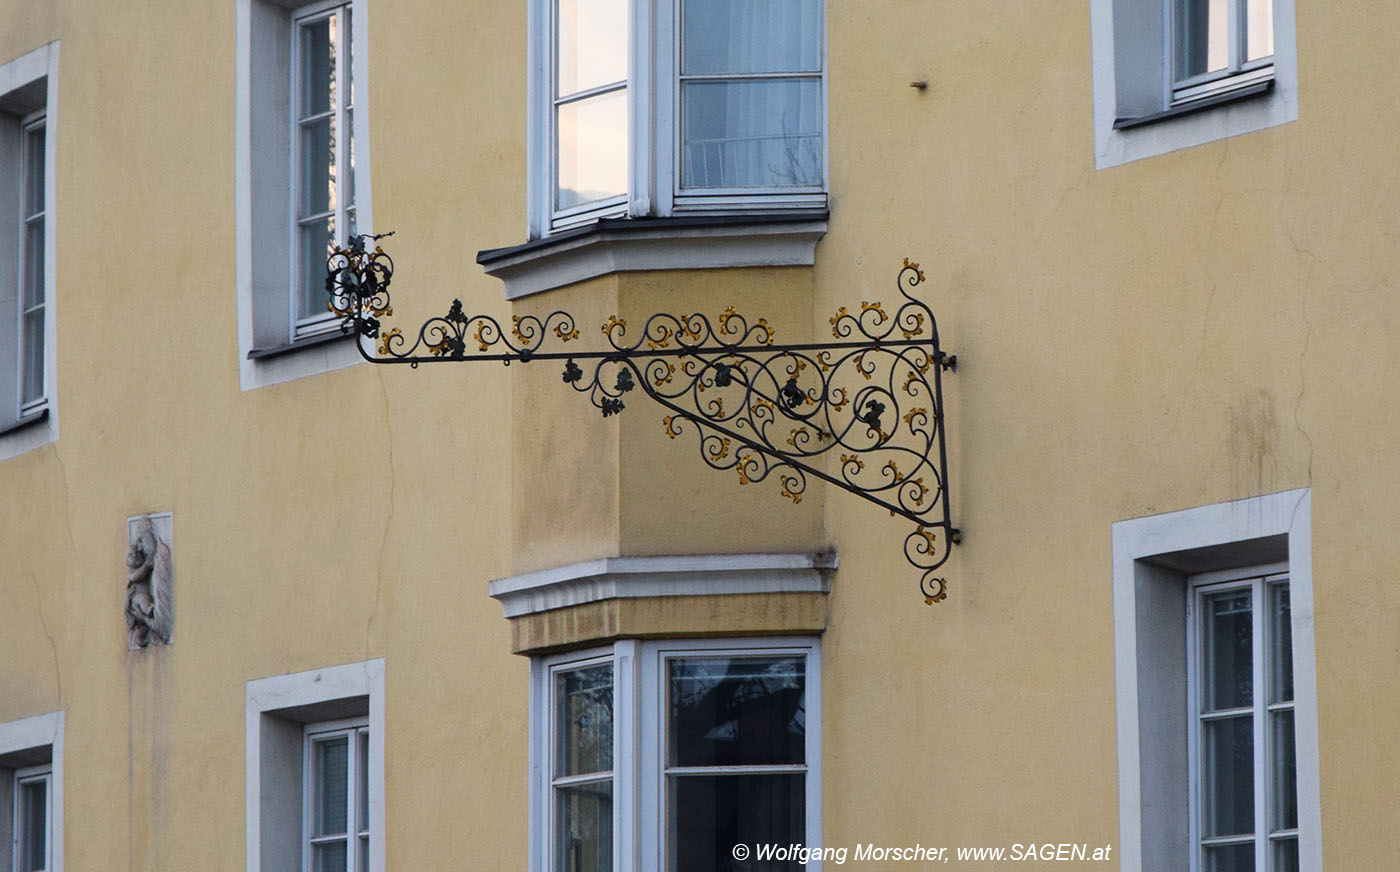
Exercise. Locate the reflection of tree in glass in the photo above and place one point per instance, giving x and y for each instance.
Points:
(737, 711)
(802, 158)
(587, 708)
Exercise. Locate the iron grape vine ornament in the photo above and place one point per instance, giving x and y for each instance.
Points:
(863, 412)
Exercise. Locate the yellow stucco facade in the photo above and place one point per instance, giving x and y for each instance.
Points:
(1183, 330)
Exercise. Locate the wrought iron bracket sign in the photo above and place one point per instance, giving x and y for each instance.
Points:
(871, 399)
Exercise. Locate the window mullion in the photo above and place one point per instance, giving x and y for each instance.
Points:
(352, 766)
(643, 141)
(1261, 757)
(1193, 703)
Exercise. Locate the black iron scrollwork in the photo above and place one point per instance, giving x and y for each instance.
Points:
(872, 398)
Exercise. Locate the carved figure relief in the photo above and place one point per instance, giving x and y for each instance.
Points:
(149, 613)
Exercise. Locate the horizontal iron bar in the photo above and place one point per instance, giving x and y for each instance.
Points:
(526, 356)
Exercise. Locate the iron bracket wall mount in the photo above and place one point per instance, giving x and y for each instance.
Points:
(872, 398)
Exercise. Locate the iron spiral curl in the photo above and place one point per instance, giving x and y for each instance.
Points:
(863, 412)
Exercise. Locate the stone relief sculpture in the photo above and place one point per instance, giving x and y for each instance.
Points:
(149, 614)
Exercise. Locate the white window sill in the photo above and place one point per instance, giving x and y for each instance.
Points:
(1253, 89)
(262, 367)
(613, 245)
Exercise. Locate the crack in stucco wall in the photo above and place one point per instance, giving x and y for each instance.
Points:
(53, 645)
(1303, 354)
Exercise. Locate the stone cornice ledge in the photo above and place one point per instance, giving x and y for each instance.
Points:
(632, 577)
(613, 245)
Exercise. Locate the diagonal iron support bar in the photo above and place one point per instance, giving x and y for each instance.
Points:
(872, 398)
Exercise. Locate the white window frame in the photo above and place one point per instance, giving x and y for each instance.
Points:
(653, 93)
(1256, 580)
(354, 731)
(28, 96)
(1153, 558)
(277, 713)
(1238, 72)
(271, 349)
(32, 747)
(340, 10)
(29, 775)
(639, 741)
(1139, 112)
(35, 121)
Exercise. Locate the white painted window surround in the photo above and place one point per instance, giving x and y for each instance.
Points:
(1133, 78)
(277, 712)
(31, 745)
(1153, 558)
(28, 91)
(639, 771)
(263, 209)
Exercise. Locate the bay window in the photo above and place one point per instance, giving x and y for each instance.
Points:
(654, 108)
(665, 755)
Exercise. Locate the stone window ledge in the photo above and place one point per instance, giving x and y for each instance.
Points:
(613, 245)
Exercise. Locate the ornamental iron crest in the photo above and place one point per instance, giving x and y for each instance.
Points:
(872, 398)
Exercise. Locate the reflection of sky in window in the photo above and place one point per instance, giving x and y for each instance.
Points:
(1260, 29)
(592, 149)
(591, 133)
(592, 43)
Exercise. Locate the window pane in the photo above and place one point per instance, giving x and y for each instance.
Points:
(33, 387)
(1259, 24)
(1227, 777)
(362, 823)
(317, 48)
(710, 814)
(314, 244)
(349, 190)
(33, 290)
(364, 853)
(1283, 855)
(34, 171)
(737, 711)
(1230, 858)
(1280, 633)
(1227, 649)
(329, 857)
(750, 134)
(583, 832)
(1201, 37)
(592, 44)
(584, 729)
(316, 164)
(34, 825)
(331, 767)
(592, 149)
(1283, 772)
(751, 36)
